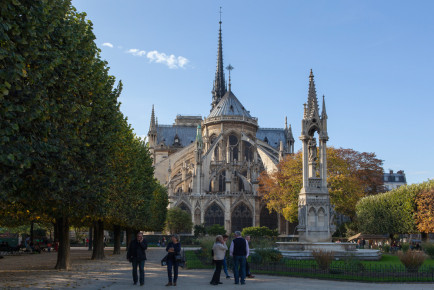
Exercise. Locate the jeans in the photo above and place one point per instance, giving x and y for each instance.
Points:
(240, 266)
(141, 265)
(171, 263)
(218, 269)
(225, 267)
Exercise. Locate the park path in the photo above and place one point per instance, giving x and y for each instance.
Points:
(28, 272)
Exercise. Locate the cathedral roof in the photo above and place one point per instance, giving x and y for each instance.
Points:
(272, 136)
(229, 106)
(166, 134)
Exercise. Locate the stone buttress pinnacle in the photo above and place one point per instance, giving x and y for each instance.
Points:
(312, 101)
(152, 126)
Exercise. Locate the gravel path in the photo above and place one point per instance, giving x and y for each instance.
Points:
(36, 271)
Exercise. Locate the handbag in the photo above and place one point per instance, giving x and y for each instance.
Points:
(164, 261)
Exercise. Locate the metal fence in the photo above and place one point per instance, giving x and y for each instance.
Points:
(339, 270)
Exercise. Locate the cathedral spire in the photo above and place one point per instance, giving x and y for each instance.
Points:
(152, 126)
(312, 100)
(219, 86)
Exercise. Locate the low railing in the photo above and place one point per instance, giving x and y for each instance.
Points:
(338, 270)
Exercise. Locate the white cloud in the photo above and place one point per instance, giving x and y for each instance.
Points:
(171, 61)
(108, 44)
(136, 52)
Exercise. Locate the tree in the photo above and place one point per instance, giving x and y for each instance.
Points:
(178, 221)
(350, 176)
(400, 211)
(425, 211)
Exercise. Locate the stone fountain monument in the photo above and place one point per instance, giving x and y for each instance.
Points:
(315, 213)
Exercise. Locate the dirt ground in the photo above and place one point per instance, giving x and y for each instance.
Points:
(37, 270)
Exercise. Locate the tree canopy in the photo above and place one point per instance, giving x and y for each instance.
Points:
(67, 153)
(403, 210)
(351, 175)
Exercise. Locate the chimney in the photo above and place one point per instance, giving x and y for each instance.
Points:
(390, 171)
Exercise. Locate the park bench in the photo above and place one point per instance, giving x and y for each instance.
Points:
(8, 250)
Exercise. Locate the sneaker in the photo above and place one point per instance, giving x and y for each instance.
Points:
(220, 283)
(169, 284)
(251, 276)
(228, 277)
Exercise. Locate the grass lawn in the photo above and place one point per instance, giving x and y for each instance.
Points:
(303, 268)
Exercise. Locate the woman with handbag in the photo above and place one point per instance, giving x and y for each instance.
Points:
(219, 250)
(173, 258)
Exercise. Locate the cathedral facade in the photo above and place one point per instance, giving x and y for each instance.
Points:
(211, 164)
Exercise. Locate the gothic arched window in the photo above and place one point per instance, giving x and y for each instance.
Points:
(233, 147)
(214, 215)
(197, 216)
(248, 151)
(185, 208)
(222, 181)
(241, 218)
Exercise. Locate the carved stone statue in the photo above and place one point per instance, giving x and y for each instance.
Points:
(312, 150)
(302, 215)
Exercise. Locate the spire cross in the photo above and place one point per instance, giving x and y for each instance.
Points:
(229, 68)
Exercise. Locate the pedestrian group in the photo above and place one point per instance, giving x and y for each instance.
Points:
(239, 250)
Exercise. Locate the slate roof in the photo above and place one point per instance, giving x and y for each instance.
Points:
(229, 106)
(167, 133)
(274, 136)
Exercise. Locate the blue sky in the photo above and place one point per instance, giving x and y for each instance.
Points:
(373, 61)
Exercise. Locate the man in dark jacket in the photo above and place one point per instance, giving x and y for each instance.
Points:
(240, 251)
(136, 255)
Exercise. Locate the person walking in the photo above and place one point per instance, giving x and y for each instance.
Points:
(239, 250)
(136, 255)
(173, 251)
(219, 248)
(248, 274)
(225, 264)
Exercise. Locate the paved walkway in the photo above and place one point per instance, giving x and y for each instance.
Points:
(156, 278)
(115, 273)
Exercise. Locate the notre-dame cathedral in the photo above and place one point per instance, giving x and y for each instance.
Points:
(211, 165)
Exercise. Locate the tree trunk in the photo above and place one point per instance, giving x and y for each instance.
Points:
(63, 253)
(128, 234)
(117, 240)
(90, 239)
(98, 244)
(31, 231)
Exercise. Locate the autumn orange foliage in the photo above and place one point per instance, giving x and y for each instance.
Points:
(425, 211)
(351, 175)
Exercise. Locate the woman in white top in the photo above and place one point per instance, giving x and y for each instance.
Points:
(219, 250)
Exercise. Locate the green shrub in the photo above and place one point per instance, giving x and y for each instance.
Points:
(405, 247)
(412, 260)
(266, 255)
(429, 249)
(215, 230)
(206, 244)
(259, 232)
(199, 230)
(354, 264)
(386, 248)
(323, 258)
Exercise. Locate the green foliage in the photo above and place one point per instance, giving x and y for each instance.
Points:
(354, 264)
(386, 248)
(429, 249)
(215, 230)
(66, 150)
(264, 256)
(206, 244)
(178, 221)
(392, 212)
(259, 232)
(199, 230)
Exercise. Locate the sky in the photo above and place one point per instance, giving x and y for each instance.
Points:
(373, 61)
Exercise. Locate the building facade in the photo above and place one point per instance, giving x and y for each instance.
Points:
(211, 165)
(394, 180)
